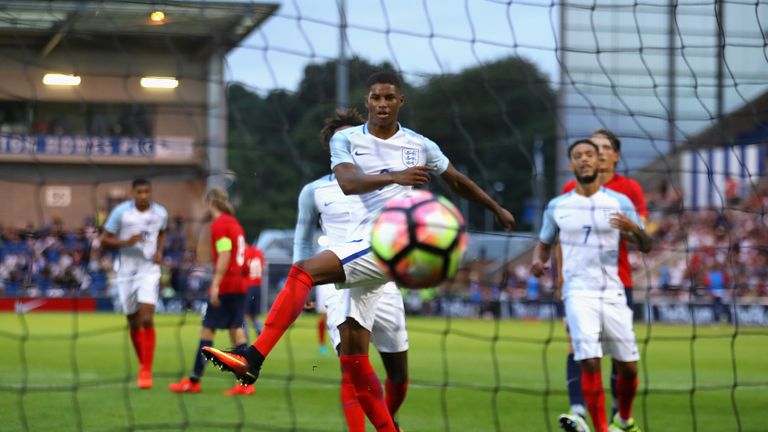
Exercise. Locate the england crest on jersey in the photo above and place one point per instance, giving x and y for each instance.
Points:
(410, 157)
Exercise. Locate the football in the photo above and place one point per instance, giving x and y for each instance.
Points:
(419, 239)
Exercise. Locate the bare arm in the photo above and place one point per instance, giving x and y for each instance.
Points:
(353, 182)
(220, 269)
(110, 240)
(468, 189)
(541, 254)
(161, 238)
(632, 232)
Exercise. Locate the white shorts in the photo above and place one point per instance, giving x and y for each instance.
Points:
(137, 282)
(388, 332)
(322, 292)
(596, 324)
(360, 267)
(362, 286)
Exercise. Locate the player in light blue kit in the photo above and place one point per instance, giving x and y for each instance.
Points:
(137, 228)
(378, 160)
(590, 222)
(323, 201)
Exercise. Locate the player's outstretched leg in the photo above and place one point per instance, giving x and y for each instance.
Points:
(284, 311)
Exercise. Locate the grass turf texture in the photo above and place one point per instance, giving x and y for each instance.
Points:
(77, 372)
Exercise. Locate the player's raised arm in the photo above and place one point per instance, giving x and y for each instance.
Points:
(468, 189)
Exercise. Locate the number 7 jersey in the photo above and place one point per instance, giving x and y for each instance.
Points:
(589, 244)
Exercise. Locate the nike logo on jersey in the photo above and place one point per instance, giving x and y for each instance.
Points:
(357, 153)
(326, 204)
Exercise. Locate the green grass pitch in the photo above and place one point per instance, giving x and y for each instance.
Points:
(67, 372)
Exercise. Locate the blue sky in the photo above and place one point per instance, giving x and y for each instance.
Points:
(305, 31)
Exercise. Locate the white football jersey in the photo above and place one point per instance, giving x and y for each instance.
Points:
(126, 220)
(589, 244)
(321, 201)
(372, 155)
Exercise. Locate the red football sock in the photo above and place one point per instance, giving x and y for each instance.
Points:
(368, 389)
(284, 311)
(626, 387)
(395, 395)
(353, 412)
(321, 330)
(148, 348)
(137, 338)
(594, 395)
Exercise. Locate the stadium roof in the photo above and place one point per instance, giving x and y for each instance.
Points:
(192, 24)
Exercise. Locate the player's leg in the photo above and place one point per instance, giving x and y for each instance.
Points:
(322, 268)
(235, 304)
(390, 337)
(353, 412)
(325, 267)
(355, 362)
(396, 385)
(594, 395)
(575, 419)
(213, 318)
(127, 291)
(626, 388)
(584, 321)
(614, 399)
(145, 317)
(622, 345)
(191, 383)
(360, 306)
(252, 310)
(147, 290)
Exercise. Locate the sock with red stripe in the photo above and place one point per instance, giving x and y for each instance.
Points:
(368, 389)
(284, 311)
(148, 348)
(626, 387)
(395, 395)
(353, 412)
(594, 395)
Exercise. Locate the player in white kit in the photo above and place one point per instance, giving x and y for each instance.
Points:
(590, 221)
(378, 160)
(323, 201)
(137, 228)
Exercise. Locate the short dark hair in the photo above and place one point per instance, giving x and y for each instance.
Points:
(582, 141)
(384, 77)
(612, 137)
(350, 117)
(140, 182)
